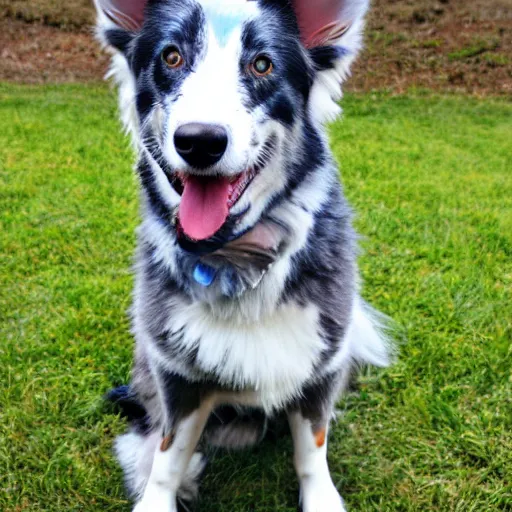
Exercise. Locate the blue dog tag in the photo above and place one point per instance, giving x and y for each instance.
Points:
(204, 275)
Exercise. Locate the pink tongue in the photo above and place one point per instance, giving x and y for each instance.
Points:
(204, 206)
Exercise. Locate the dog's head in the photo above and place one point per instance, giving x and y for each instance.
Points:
(226, 96)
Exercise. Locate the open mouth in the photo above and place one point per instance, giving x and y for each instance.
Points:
(206, 201)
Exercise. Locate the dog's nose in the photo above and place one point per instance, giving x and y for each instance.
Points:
(201, 145)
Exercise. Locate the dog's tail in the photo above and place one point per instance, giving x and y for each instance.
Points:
(126, 403)
(369, 337)
(236, 428)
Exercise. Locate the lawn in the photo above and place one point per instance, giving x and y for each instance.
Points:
(430, 179)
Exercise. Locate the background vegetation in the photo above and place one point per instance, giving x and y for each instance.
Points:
(410, 44)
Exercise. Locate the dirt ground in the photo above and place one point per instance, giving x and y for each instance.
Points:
(443, 45)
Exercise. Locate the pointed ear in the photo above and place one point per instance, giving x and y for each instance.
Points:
(324, 22)
(125, 14)
(331, 30)
(118, 22)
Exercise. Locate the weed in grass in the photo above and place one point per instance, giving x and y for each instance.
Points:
(494, 60)
(477, 48)
(383, 39)
(430, 43)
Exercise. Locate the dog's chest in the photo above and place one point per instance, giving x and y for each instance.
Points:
(274, 357)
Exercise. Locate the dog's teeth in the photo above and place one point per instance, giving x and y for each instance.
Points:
(239, 184)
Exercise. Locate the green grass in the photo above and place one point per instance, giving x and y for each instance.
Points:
(430, 179)
(478, 47)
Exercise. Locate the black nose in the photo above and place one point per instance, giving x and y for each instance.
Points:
(201, 145)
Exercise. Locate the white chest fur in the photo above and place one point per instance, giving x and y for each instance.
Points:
(273, 357)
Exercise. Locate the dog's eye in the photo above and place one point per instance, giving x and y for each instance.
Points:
(262, 66)
(172, 57)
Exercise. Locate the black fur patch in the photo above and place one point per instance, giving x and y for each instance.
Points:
(283, 93)
(126, 403)
(325, 57)
(119, 39)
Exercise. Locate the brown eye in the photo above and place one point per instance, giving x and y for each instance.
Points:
(172, 57)
(262, 66)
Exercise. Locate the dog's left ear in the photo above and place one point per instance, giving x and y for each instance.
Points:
(119, 21)
(324, 22)
(331, 31)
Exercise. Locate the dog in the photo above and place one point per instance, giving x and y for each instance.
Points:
(247, 303)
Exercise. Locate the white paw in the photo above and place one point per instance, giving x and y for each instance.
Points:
(157, 499)
(189, 488)
(320, 495)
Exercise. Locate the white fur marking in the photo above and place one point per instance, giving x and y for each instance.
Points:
(365, 341)
(318, 493)
(170, 467)
(274, 356)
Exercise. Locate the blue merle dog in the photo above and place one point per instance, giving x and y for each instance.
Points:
(246, 304)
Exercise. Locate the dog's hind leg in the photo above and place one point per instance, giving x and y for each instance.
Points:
(135, 452)
(135, 449)
(172, 460)
(185, 409)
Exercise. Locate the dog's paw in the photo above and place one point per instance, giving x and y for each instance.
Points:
(320, 496)
(189, 488)
(157, 499)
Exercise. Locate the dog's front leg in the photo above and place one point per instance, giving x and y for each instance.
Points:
(182, 430)
(318, 493)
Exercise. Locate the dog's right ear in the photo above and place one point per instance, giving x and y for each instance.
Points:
(119, 21)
